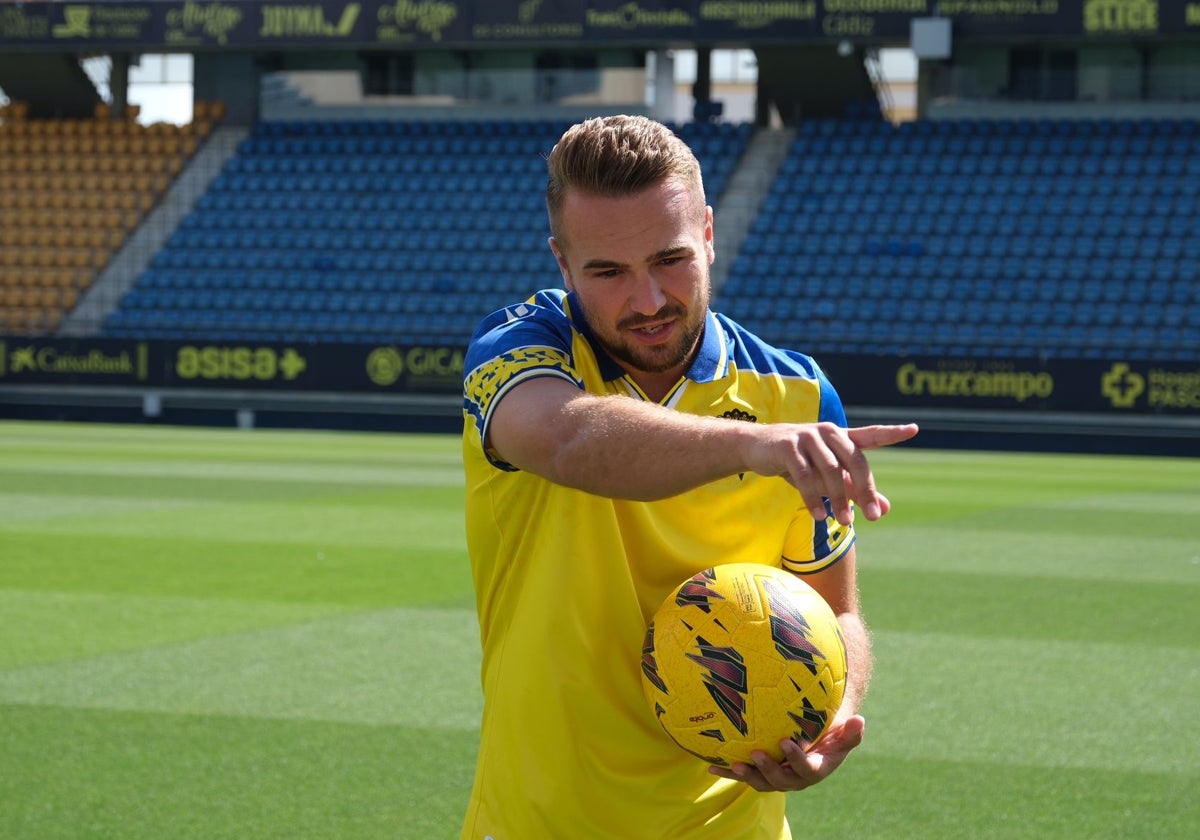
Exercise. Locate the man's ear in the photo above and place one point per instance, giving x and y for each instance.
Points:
(708, 234)
(562, 264)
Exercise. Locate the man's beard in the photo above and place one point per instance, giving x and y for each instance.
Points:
(658, 358)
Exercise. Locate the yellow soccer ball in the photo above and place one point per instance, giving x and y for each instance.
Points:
(740, 657)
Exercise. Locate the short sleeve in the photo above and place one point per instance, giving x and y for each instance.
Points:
(811, 546)
(511, 346)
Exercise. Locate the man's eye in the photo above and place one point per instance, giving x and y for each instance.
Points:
(670, 260)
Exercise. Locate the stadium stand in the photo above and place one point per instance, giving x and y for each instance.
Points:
(367, 231)
(71, 192)
(1050, 238)
(1068, 238)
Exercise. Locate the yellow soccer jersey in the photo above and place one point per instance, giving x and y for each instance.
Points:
(566, 584)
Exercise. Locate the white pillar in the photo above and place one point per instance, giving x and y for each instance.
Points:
(664, 85)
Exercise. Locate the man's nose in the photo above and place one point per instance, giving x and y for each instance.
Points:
(648, 295)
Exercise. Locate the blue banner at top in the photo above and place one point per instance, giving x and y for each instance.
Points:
(200, 24)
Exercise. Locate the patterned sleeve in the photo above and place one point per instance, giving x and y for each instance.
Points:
(512, 346)
(811, 546)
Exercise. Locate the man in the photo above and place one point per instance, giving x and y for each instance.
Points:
(618, 438)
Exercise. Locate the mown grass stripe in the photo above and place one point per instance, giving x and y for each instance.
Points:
(1160, 556)
(96, 774)
(1036, 703)
(303, 523)
(914, 796)
(399, 475)
(327, 573)
(50, 626)
(1154, 614)
(395, 667)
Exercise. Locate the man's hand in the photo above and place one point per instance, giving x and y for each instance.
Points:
(799, 769)
(823, 460)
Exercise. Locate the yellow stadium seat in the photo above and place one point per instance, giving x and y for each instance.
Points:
(57, 278)
(211, 110)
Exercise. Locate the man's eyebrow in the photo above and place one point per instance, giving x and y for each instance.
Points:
(666, 253)
(602, 264)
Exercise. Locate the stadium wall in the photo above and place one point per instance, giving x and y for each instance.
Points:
(1092, 405)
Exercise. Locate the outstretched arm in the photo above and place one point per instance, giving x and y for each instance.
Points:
(625, 448)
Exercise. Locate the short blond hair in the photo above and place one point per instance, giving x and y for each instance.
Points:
(617, 156)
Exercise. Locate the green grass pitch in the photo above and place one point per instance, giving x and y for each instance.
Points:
(210, 633)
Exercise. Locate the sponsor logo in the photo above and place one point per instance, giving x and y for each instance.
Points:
(1015, 385)
(1101, 17)
(1122, 386)
(385, 365)
(429, 17)
(239, 363)
(211, 20)
(307, 21)
(35, 359)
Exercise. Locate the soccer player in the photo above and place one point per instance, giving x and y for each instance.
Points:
(619, 436)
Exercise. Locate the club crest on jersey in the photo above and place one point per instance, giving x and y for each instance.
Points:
(738, 414)
(745, 416)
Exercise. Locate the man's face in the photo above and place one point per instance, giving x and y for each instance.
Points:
(639, 267)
